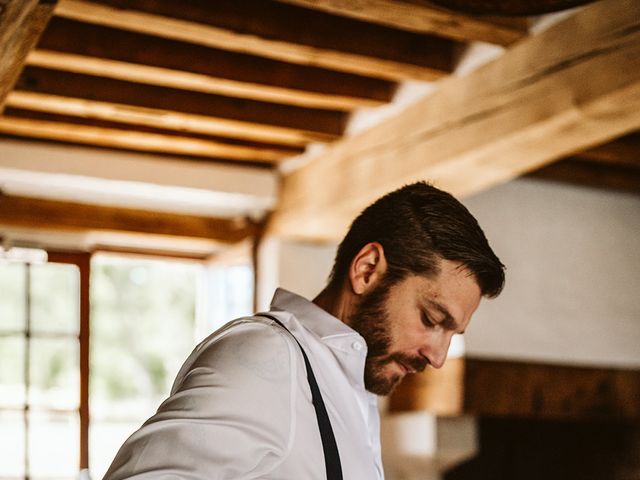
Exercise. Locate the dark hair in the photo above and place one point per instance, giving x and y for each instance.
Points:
(417, 225)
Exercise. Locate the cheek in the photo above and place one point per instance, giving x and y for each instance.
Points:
(411, 336)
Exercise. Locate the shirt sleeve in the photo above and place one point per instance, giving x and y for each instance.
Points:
(231, 413)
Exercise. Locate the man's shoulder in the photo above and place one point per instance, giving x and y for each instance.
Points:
(250, 345)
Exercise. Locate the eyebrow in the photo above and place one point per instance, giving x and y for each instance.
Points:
(448, 320)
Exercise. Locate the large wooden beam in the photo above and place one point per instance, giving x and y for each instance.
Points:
(573, 86)
(21, 23)
(116, 100)
(424, 17)
(159, 61)
(277, 31)
(525, 390)
(69, 216)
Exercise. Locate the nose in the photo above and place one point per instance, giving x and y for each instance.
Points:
(437, 351)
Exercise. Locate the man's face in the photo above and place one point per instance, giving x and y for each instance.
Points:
(409, 325)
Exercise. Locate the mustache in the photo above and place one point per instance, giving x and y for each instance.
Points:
(415, 363)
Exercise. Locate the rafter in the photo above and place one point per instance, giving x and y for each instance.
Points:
(130, 139)
(92, 97)
(159, 61)
(424, 17)
(277, 31)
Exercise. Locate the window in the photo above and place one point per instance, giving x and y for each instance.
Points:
(62, 407)
(42, 401)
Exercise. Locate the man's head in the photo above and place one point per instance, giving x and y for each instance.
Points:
(414, 265)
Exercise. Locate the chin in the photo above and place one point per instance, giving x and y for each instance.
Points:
(383, 385)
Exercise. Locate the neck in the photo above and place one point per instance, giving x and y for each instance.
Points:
(334, 301)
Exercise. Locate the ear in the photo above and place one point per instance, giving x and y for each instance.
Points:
(367, 268)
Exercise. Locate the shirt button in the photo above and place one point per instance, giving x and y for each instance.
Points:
(357, 346)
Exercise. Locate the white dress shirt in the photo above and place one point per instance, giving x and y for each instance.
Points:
(240, 407)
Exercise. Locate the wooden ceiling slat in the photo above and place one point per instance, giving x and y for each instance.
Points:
(280, 32)
(164, 62)
(67, 119)
(40, 80)
(623, 152)
(57, 215)
(525, 109)
(577, 171)
(21, 23)
(424, 17)
(134, 140)
(83, 95)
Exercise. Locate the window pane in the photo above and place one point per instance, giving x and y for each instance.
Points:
(55, 298)
(11, 444)
(12, 297)
(105, 439)
(142, 327)
(55, 373)
(54, 444)
(12, 371)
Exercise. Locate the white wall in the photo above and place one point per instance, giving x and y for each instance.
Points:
(302, 268)
(573, 275)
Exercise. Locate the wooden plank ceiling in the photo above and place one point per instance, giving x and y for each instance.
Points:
(254, 81)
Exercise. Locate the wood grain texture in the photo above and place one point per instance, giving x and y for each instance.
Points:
(107, 99)
(57, 215)
(159, 61)
(526, 390)
(279, 32)
(21, 23)
(130, 139)
(573, 86)
(424, 17)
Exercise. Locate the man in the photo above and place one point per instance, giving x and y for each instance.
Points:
(407, 277)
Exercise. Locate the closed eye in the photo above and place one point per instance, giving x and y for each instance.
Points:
(427, 321)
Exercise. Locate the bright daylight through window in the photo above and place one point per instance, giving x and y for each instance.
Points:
(146, 316)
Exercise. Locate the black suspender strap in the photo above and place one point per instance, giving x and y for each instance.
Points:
(331, 454)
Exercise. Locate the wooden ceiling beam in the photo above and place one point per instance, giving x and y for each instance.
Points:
(131, 139)
(571, 87)
(69, 216)
(159, 61)
(280, 32)
(424, 17)
(21, 23)
(498, 388)
(93, 97)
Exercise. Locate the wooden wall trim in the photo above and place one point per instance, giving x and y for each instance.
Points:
(502, 388)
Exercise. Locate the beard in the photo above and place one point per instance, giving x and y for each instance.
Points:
(372, 321)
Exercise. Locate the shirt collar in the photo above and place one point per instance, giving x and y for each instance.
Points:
(348, 346)
(317, 320)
